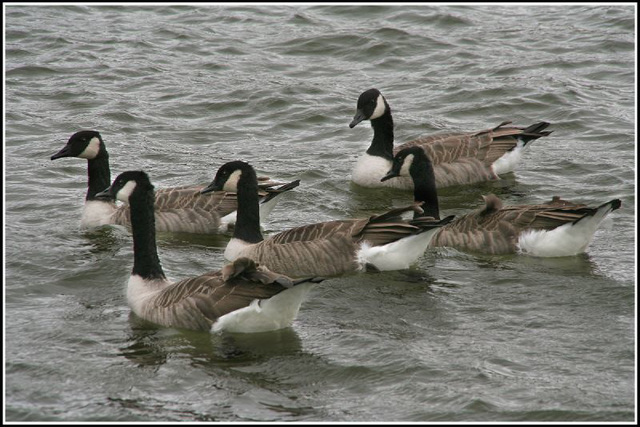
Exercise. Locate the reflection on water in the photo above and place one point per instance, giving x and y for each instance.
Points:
(185, 240)
(107, 239)
(151, 345)
(143, 348)
(577, 265)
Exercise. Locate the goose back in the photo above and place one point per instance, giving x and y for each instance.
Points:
(185, 210)
(467, 158)
(496, 229)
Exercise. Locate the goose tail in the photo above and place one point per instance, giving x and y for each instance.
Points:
(274, 192)
(275, 312)
(602, 211)
(569, 239)
(271, 199)
(533, 132)
(401, 253)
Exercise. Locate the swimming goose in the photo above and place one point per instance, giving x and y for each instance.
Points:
(552, 229)
(178, 209)
(241, 297)
(381, 242)
(458, 158)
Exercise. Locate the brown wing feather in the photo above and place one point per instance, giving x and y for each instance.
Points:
(121, 216)
(197, 302)
(467, 157)
(188, 198)
(349, 227)
(184, 209)
(318, 231)
(329, 248)
(495, 229)
(327, 256)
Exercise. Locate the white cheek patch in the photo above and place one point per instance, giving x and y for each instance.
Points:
(406, 165)
(380, 108)
(232, 183)
(92, 150)
(126, 191)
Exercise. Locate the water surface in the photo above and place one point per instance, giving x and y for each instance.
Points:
(179, 90)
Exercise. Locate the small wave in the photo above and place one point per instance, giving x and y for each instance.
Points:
(31, 71)
(437, 19)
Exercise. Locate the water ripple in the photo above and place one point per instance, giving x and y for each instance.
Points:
(178, 90)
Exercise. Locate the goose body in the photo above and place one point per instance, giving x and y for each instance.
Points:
(458, 158)
(179, 209)
(552, 229)
(382, 242)
(241, 297)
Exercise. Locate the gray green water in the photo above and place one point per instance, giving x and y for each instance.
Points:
(178, 91)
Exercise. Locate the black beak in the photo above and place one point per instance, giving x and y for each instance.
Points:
(214, 186)
(65, 152)
(360, 116)
(389, 175)
(105, 195)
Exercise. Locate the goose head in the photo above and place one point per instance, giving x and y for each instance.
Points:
(125, 185)
(86, 144)
(229, 175)
(406, 160)
(371, 105)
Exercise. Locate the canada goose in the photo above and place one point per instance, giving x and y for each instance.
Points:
(552, 229)
(382, 242)
(458, 158)
(241, 297)
(178, 209)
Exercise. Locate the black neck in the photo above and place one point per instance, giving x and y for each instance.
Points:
(143, 227)
(382, 143)
(424, 186)
(99, 175)
(248, 218)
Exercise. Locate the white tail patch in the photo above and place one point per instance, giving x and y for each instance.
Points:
(267, 207)
(277, 312)
(397, 255)
(228, 221)
(567, 240)
(509, 160)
